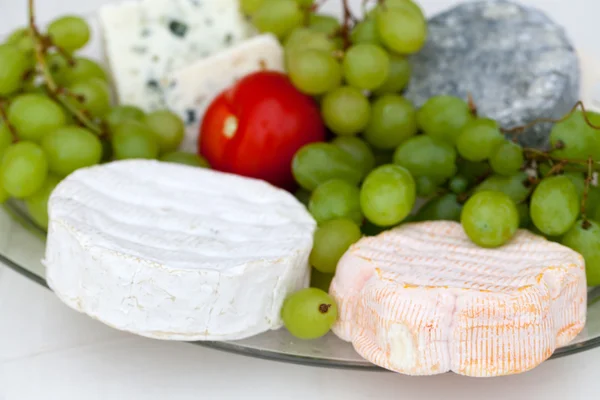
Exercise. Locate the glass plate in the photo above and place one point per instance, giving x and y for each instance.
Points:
(22, 246)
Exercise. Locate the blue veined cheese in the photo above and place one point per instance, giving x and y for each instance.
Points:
(146, 40)
(191, 89)
(174, 252)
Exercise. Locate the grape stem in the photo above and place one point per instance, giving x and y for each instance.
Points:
(41, 46)
(471, 104)
(586, 189)
(4, 117)
(348, 20)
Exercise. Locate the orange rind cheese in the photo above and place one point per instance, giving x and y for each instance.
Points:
(422, 299)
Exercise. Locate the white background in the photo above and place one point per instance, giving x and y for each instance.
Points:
(49, 352)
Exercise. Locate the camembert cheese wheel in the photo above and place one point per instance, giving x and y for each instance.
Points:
(422, 299)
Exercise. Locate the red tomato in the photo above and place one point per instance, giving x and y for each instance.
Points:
(255, 127)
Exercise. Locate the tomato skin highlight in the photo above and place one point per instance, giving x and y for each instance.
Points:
(255, 128)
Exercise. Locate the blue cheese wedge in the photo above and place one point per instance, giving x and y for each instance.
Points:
(191, 89)
(146, 40)
(174, 252)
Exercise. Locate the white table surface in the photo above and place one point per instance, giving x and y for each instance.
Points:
(48, 351)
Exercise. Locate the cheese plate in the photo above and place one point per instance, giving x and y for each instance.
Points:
(23, 245)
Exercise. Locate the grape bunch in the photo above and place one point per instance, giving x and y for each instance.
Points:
(56, 116)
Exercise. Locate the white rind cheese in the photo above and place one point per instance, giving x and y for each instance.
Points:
(146, 40)
(175, 252)
(192, 89)
(422, 299)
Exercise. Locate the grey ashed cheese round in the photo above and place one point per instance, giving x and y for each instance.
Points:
(175, 252)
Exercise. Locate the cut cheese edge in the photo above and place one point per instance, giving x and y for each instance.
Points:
(175, 252)
(422, 299)
(192, 89)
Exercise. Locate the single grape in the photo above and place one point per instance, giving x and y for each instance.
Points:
(490, 219)
(24, 169)
(279, 17)
(554, 205)
(584, 238)
(316, 163)
(398, 76)
(168, 129)
(388, 195)
(444, 117)
(394, 3)
(6, 138)
(365, 32)
(426, 186)
(249, 7)
(323, 23)
(332, 239)
(507, 158)
(366, 66)
(314, 72)
(425, 156)
(309, 313)
(304, 38)
(133, 139)
(122, 113)
(13, 65)
(524, 215)
(443, 208)
(478, 140)
(514, 186)
(70, 148)
(16, 35)
(336, 199)
(401, 28)
(345, 110)
(34, 115)
(69, 33)
(393, 121)
(82, 70)
(179, 157)
(22, 40)
(577, 139)
(95, 94)
(303, 196)
(459, 184)
(358, 149)
(319, 280)
(37, 204)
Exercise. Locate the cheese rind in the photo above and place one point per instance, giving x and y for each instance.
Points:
(422, 299)
(175, 252)
(192, 89)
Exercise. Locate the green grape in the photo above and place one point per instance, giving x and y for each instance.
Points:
(579, 140)
(6, 138)
(444, 117)
(358, 149)
(585, 240)
(319, 280)
(554, 205)
(316, 163)
(335, 199)
(133, 139)
(180, 157)
(593, 195)
(490, 219)
(395, 3)
(345, 110)
(425, 156)
(95, 94)
(3, 193)
(443, 208)
(478, 140)
(168, 129)
(332, 239)
(314, 72)
(393, 121)
(302, 39)
(366, 66)
(398, 76)
(15, 36)
(122, 113)
(426, 186)
(37, 204)
(303, 196)
(524, 215)
(388, 195)
(34, 115)
(365, 32)
(309, 313)
(279, 17)
(70, 148)
(401, 28)
(24, 169)
(13, 65)
(513, 186)
(323, 23)
(69, 33)
(83, 70)
(249, 7)
(507, 158)
(22, 40)
(459, 184)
